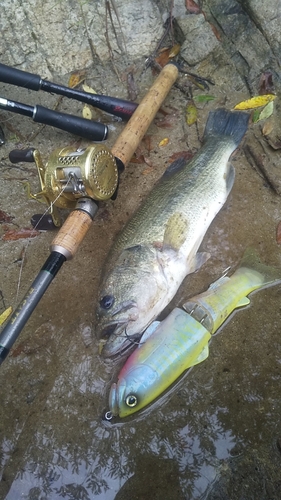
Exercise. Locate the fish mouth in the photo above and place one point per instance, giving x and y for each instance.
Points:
(114, 341)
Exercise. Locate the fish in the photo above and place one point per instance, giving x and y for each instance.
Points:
(159, 245)
(182, 339)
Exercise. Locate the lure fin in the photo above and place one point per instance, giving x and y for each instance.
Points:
(265, 275)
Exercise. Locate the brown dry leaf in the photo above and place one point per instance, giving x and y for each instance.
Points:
(17, 234)
(187, 155)
(148, 142)
(266, 85)
(148, 161)
(163, 57)
(147, 171)
(278, 233)
(5, 218)
(76, 78)
(192, 7)
(137, 159)
(267, 128)
(167, 120)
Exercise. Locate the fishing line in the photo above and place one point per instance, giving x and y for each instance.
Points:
(134, 342)
(49, 208)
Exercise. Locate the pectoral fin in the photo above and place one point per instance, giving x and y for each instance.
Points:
(176, 231)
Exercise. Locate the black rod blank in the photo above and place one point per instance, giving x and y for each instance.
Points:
(88, 129)
(118, 107)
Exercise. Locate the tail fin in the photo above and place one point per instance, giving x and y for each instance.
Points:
(228, 123)
(268, 275)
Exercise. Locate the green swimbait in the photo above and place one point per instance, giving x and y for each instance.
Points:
(181, 340)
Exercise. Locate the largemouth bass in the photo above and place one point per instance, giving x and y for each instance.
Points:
(181, 340)
(159, 246)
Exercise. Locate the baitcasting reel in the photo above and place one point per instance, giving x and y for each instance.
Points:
(70, 175)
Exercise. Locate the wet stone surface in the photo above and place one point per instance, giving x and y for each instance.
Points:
(216, 435)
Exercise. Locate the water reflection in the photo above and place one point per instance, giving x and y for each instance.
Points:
(56, 445)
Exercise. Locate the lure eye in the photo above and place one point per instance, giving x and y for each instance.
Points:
(131, 400)
(107, 302)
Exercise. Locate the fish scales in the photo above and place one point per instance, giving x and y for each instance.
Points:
(159, 246)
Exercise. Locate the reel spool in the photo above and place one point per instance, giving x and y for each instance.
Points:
(70, 175)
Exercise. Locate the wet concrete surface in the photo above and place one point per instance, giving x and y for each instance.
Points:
(216, 435)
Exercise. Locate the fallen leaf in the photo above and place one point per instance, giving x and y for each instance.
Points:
(263, 114)
(215, 31)
(164, 142)
(191, 114)
(148, 161)
(267, 128)
(5, 218)
(87, 112)
(137, 159)
(86, 88)
(76, 78)
(147, 171)
(267, 111)
(192, 7)
(174, 51)
(163, 58)
(278, 233)
(181, 154)
(147, 142)
(266, 85)
(255, 102)
(203, 98)
(17, 234)
(5, 315)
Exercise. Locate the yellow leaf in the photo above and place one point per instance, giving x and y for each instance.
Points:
(76, 78)
(164, 142)
(5, 315)
(86, 112)
(255, 102)
(191, 114)
(86, 88)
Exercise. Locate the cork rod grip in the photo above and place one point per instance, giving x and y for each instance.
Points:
(72, 233)
(130, 138)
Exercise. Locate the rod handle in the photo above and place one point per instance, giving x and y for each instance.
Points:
(132, 134)
(75, 228)
(18, 77)
(93, 131)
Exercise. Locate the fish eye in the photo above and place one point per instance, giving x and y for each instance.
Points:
(107, 302)
(131, 400)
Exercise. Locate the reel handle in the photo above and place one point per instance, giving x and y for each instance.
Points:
(18, 155)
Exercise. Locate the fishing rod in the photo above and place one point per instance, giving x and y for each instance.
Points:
(118, 107)
(88, 129)
(105, 179)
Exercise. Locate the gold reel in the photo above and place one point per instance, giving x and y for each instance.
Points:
(70, 175)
